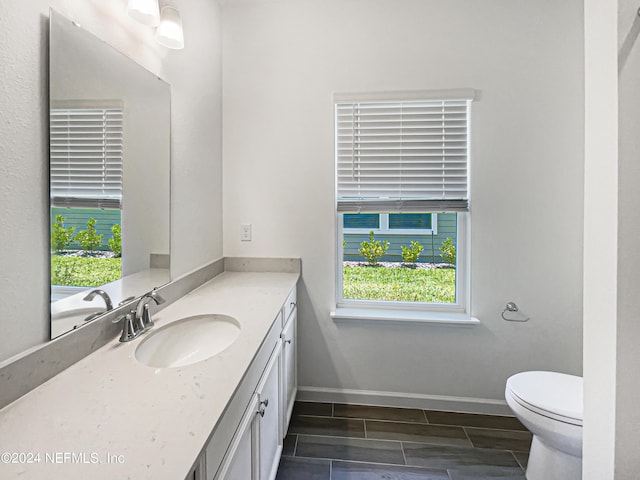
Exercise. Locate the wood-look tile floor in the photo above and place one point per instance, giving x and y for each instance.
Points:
(332, 441)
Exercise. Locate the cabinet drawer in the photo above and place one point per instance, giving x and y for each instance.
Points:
(289, 306)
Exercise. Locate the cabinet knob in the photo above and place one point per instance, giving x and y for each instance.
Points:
(263, 407)
(293, 304)
(288, 341)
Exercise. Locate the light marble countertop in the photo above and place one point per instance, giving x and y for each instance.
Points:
(121, 419)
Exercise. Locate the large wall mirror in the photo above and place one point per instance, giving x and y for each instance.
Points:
(110, 122)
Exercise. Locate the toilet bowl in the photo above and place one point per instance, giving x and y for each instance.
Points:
(549, 404)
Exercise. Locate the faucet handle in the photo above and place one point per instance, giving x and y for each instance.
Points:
(126, 300)
(129, 329)
(145, 319)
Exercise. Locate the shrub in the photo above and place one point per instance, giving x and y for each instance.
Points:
(115, 242)
(84, 271)
(89, 239)
(448, 251)
(61, 273)
(373, 249)
(61, 237)
(411, 253)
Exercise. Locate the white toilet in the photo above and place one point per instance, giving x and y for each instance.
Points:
(549, 404)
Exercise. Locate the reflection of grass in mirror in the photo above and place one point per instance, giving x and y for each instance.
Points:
(84, 271)
(436, 285)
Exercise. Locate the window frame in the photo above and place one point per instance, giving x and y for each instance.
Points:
(457, 312)
(385, 230)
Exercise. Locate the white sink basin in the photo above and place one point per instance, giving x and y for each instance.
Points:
(187, 341)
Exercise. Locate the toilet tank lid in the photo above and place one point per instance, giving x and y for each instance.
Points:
(556, 393)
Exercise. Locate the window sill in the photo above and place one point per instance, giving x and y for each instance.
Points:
(403, 316)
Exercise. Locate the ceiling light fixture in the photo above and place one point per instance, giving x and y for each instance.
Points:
(146, 12)
(169, 33)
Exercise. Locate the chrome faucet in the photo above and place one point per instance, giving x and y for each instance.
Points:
(142, 309)
(101, 293)
(138, 320)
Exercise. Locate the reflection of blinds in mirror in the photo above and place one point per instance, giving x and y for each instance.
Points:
(86, 157)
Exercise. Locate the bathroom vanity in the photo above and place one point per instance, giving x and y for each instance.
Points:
(110, 416)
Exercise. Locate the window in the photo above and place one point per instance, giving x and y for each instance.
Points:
(402, 184)
(86, 157)
(389, 222)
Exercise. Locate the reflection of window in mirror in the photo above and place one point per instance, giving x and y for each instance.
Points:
(86, 144)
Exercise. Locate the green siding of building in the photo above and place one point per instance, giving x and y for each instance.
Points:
(78, 218)
(446, 228)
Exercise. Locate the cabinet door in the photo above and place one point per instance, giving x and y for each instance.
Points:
(289, 370)
(198, 471)
(269, 420)
(289, 306)
(239, 460)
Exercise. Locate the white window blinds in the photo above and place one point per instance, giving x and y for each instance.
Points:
(86, 157)
(402, 156)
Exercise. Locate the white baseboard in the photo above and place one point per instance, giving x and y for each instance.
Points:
(485, 406)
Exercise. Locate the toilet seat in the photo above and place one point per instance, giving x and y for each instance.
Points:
(554, 395)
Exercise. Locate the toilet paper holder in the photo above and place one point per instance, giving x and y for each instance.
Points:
(512, 307)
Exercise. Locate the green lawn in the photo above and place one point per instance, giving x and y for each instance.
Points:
(84, 271)
(437, 285)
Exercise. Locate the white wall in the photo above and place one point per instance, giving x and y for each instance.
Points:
(628, 327)
(600, 239)
(195, 76)
(612, 262)
(281, 63)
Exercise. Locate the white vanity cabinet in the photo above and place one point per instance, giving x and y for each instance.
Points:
(239, 463)
(220, 418)
(197, 472)
(289, 360)
(255, 450)
(253, 453)
(269, 445)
